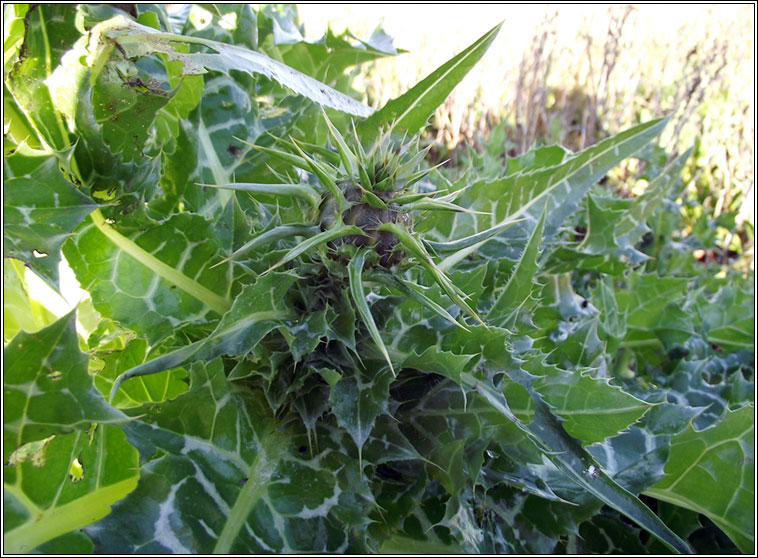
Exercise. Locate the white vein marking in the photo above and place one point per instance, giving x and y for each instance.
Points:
(164, 533)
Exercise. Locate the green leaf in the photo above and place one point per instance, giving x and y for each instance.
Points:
(525, 194)
(13, 32)
(41, 209)
(608, 533)
(188, 91)
(518, 288)
(290, 434)
(19, 129)
(592, 408)
(356, 403)
(636, 457)
(568, 455)
(449, 457)
(563, 185)
(47, 389)
(44, 501)
(723, 456)
(615, 226)
(386, 442)
(653, 306)
(632, 226)
(49, 32)
(257, 310)
(444, 363)
(601, 225)
(304, 335)
(75, 542)
(326, 58)
(711, 384)
(20, 312)
(125, 104)
(729, 317)
(411, 110)
(612, 323)
(214, 146)
(355, 269)
(151, 280)
(211, 492)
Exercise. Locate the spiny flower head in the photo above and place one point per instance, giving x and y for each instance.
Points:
(361, 220)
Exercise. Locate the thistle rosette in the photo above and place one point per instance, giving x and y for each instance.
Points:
(362, 209)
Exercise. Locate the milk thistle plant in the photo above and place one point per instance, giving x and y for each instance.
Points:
(301, 337)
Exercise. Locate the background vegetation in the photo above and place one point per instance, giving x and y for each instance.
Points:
(577, 74)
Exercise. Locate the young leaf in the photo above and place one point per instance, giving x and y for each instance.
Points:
(158, 387)
(324, 176)
(303, 191)
(349, 159)
(475, 239)
(411, 110)
(355, 269)
(357, 402)
(518, 288)
(277, 233)
(417, 249)
(290, 158)
(416, 292)
(323, 237)
(433, 204)
(256, 311)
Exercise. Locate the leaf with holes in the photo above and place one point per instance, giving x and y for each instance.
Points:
(47, 389)
(72, 482)
(41, 210)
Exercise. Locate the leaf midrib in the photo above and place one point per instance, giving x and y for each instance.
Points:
(487, 37)
(655, 124)
(51, 523)
(258, 476)
(679, 500)
(190, 286)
